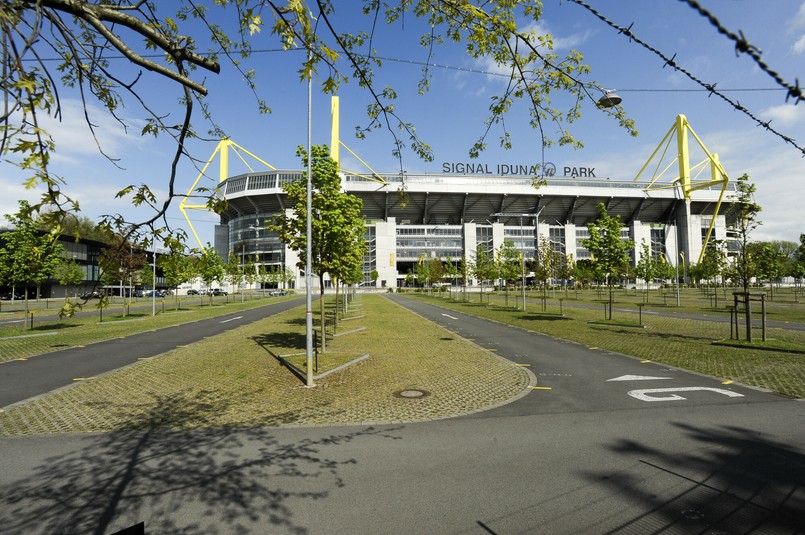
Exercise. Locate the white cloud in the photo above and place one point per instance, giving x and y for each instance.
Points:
(73, 137)
(798, 21)
(559, 43)
(786, 114)
(776, 169)
(799, 46)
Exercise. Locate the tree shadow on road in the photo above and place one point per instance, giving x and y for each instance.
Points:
(198, 481)
(736, 482)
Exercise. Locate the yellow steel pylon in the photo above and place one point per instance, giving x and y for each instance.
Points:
(336, 144)
(686, 181)
(222, 151)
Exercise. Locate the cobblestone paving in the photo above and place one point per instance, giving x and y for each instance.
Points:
(235, 380)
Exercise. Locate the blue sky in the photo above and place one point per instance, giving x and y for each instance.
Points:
(450, 117)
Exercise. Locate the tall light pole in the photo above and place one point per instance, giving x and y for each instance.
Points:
(309, 239)
(154, 272)
(522, 261)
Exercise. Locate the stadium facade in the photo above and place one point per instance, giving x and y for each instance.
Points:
(469, 205)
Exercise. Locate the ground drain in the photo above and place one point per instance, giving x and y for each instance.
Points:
(411, 393)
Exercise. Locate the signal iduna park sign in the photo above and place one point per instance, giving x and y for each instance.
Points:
(473, 168)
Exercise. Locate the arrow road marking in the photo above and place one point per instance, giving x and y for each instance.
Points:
(232, 319)
(643, 394)
(449, 316)
(637, 378)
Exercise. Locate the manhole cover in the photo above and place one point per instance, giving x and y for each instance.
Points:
(411, 393)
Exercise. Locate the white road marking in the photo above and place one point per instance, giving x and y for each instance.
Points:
(643, 394)
(637, 378)
(449, 316)
(232, 319)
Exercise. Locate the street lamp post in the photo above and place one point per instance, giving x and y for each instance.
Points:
(309, 238)
(153, 272)
(522, 261)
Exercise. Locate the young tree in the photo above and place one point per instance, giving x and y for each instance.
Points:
(233, 272)
(509, 267)
(713, 262)
(745, 214)
(609, 251)
(175, 265)
(768, 262)
(565, 268)
(646, 267)
(798, 267)
(542, 265)
(337, 225)
(483, 267)
(28, 256)
(250, 273)
(68, 272)
(120, 261)
(210, 267)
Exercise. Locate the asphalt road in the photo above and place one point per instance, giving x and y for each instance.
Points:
(591, 455)
(23, 379)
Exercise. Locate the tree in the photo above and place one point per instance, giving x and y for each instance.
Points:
(482, 267)
(565, 268)
(165, 47)
(542, 265)
(28, 256)
(610, 253)
(68, 272)
(210, 267)
(713, 262)
(429, 272)
(646, 267)
(798, 268)
(337, 225)
(175, 265)
(768, 262)
(250, 273)
(233, 272)
(745, 214)
(509, 267)
(120, 260)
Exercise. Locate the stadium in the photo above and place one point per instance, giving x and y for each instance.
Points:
(681, 207)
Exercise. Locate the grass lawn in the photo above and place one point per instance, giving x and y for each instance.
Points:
(18, 342)
(235, 379)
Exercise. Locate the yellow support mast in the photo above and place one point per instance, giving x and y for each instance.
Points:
(336, 144)
(686, 181)
(222, 152)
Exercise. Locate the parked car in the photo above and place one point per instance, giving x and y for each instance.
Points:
(90, 295)
(278, 292)
(192, 292)
(11, 297)
(217, 291)
(153, 293)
